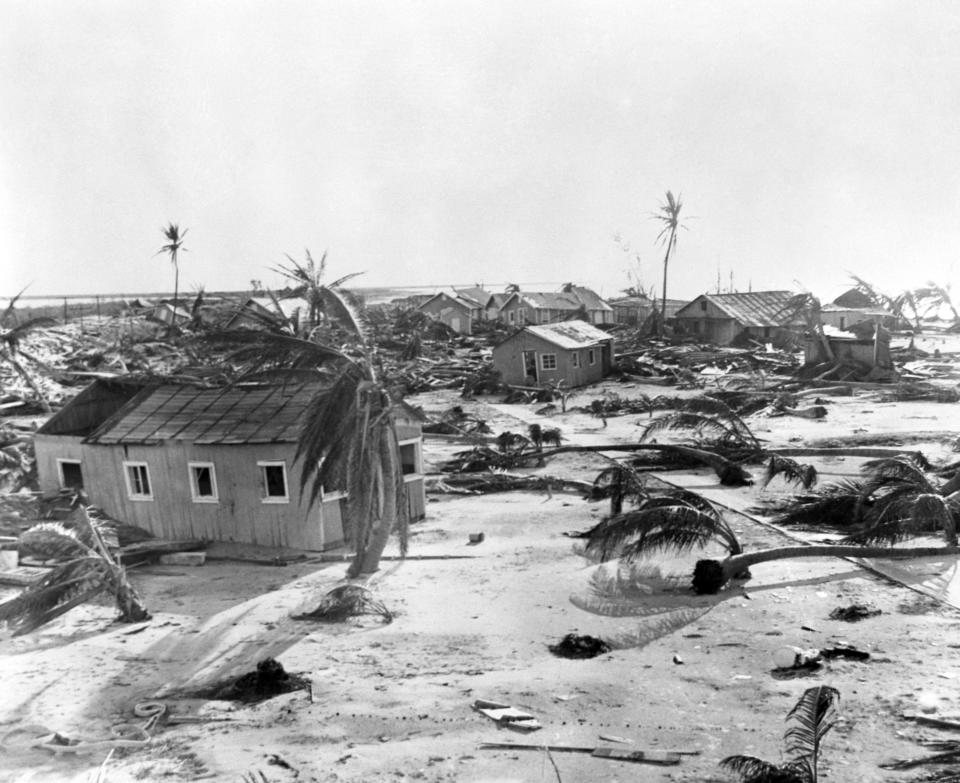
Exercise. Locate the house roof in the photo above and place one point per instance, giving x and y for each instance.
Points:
(569, 334)
(756, 308)
(476, 295)
(587, 297)
(466, 304)
(231, 415)
(853, 298)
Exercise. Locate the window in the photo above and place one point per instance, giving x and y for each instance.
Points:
(273, 481)
(592, 356)
(71, 477)
(766, 331)
(138, 481)
(203, 482)
(703, 305)
(548, 361)
(522, 315)
(510, 316)
(575, 359)
(410, 459)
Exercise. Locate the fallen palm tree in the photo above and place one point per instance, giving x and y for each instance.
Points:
(670, 526)
(346, 601)
(89, 572)
(485, 483)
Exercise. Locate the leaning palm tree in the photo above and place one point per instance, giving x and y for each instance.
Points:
(86, 569)
(669, 217)
(173, 248)
(806, 306)
(348, 438)
(812, 717)
(309, 286)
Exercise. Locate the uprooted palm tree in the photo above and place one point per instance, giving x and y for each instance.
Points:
(683, 527)
(706, 416)
(348, 437)
(811, 719)
(12, 335)
(86, 569)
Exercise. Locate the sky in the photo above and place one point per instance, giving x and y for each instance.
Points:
(445, 142)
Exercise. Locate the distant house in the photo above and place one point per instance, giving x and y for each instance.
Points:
(537, 307)
(631, 310)
(457, 312)
(487, 304)
(722, 318)
(573, 352)
(854, 307)
(215, 464)
(259, 312)
(167, 313)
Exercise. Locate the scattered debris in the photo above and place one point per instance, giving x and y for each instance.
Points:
(346, 601)
(505, 715)
(658, 757)
(853, 613)
(269, 679)
(575, 646)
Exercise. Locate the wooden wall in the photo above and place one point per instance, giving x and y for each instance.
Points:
(240, 515)
(508, 359)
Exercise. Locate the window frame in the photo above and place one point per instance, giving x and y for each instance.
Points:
(137, 497)
(194, 486)
(591, 356)
(417, 444)
(543, 362)
(575, 360)
(61, 461)
(262, 465)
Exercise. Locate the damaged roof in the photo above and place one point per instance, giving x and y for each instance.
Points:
(755, 308)
(569, 334)
(232, 415)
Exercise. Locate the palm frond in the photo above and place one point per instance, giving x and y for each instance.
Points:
(791, 470)
(338, 305)
(257, 351)
(52, 541)
(813, 716)
(754, 770)
(903, 468)
(657, 527)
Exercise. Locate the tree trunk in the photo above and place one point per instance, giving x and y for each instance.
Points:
(385, 514)
(737, 563)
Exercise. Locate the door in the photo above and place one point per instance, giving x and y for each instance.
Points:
(455, 323)
(530, 366)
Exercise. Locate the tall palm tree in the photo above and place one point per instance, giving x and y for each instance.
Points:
(669, 217)
(174, 237)
(348, 437)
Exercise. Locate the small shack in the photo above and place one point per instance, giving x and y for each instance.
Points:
(213, 464)
(867, 348)
(454, 310)
(572, 352)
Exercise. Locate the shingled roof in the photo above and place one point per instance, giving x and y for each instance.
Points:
(232, 415)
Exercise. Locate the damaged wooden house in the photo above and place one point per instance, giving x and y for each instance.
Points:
(722, 319)
(212, 464)
(573, 353)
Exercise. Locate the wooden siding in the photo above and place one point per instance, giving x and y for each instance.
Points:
(508, 359)
(457, 315)
(240, 515)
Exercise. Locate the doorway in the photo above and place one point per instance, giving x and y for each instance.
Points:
(530, 366)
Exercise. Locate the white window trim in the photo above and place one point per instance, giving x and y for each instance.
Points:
(60, 463)
(131, 495)
(543, 364)
(417, 443)
(194, 489)
(273, 463)
(575, 360)
(591, 356)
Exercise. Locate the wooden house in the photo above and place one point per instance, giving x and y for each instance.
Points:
(457, 312)
(573, 352)
(867, 348)
(722, 318)
(538, 307)
(853, 307)
(215, 464)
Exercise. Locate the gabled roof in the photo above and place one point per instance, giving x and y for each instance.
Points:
(571, 298)
(569, 334)
(475, 295)
(756, 308)
(231, 415)
(587, 297)
(456, 299)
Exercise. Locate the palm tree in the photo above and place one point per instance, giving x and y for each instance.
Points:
(937, 296)
(706, 415)
(173, 247)
(812, 717)
(904, 504)
(348, 437)
(669, 217)
(309, 286)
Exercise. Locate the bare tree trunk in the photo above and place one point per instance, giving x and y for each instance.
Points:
(386, 513)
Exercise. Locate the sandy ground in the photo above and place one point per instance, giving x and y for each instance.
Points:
(393, 702)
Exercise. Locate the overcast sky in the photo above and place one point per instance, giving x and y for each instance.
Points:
(455, 142)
